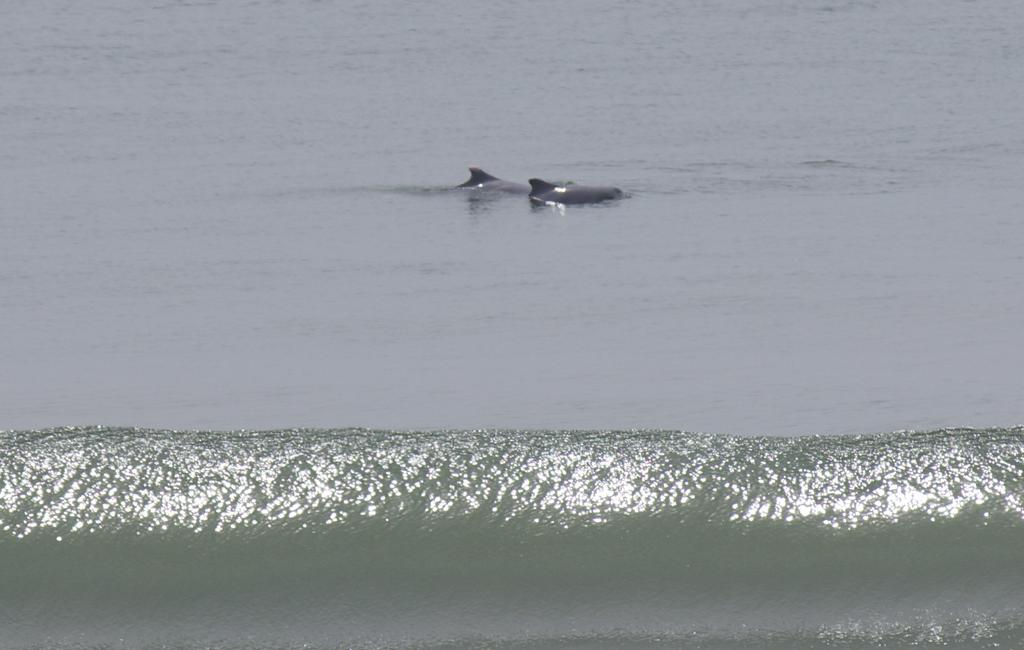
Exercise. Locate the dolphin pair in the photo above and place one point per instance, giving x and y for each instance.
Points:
(542, 192)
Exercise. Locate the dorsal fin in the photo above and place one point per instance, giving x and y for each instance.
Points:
(537, 186)
(477, 176)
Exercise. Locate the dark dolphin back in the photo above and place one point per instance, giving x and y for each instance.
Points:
(481, 180)
(543, 191)
(538, 187)
(477, 176)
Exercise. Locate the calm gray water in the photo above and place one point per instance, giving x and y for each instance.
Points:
(226, 215)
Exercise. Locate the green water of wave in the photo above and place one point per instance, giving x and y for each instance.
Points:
(512, 538)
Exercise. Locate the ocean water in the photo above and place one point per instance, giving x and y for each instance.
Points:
(224, 217)
(128, 538)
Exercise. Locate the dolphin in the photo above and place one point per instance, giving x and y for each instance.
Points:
(545, 193)
(481, 180)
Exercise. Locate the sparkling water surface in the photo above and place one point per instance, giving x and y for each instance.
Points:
(326, 539)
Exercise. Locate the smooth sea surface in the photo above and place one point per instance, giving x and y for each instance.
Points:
(226, 215)
(268, 382)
